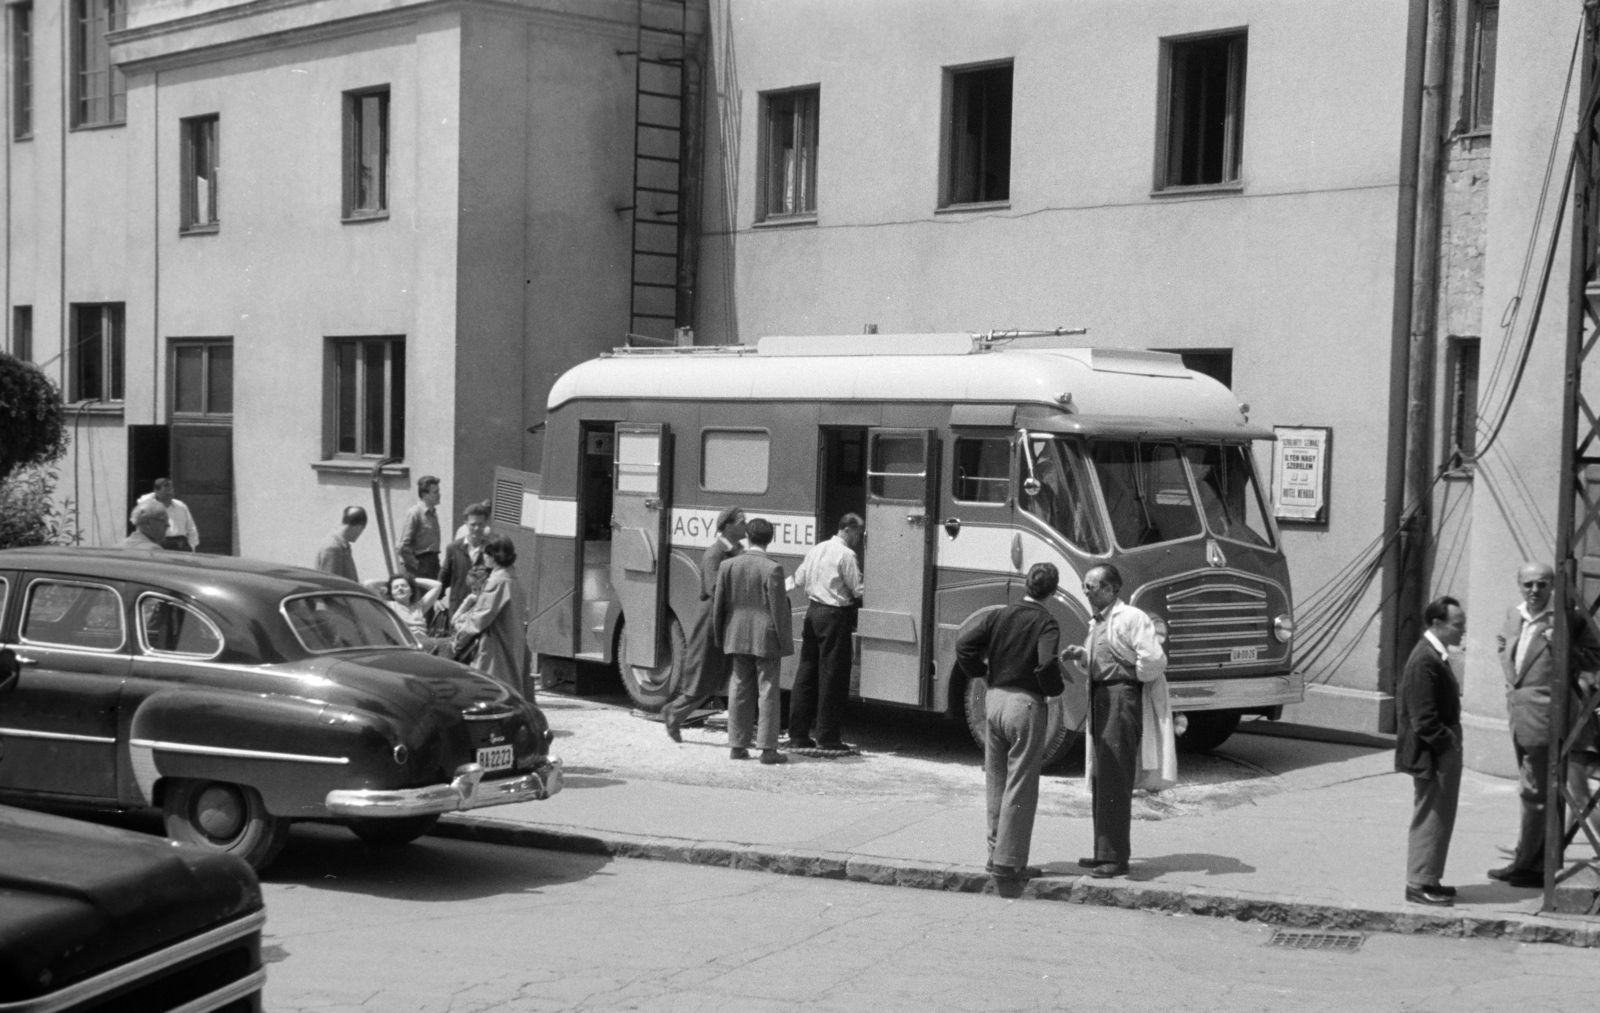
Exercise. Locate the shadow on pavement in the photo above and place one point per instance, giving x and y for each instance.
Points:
(1145, 869)
(323, 857)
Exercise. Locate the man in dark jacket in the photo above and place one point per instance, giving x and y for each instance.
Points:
(1014, 649)
(1528, 661)
(751, 622)
(1428, 747)
(705, 669)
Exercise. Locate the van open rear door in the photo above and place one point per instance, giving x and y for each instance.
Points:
(893, 629)
(640, 513)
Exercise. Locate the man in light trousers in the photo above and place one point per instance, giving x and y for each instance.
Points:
(751, 623)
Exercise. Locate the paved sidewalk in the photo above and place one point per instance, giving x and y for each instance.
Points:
(1311, 834)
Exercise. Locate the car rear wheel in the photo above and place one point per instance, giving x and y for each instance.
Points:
(392, 832)
(224, 817)
(1059, 740)
(651, 688)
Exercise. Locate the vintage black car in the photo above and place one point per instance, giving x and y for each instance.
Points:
(95, 919)
(239, 696)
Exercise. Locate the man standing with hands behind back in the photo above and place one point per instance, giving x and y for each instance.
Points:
(1427, 717)
(1121, 655)
(750, 622)
(1528, 660)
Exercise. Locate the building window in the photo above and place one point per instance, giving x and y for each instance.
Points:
(1461, 422)
(22, 71)
(94, 360)
(789, 154)
(366, 146)
(735, 460)
(199, 160)
(1203, 131)
(978, 136)
(202, 379)
(22, 332)
(1478, 92)
(367, 403)
(99, 93)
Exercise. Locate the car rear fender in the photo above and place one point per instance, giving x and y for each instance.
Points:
(293, 751)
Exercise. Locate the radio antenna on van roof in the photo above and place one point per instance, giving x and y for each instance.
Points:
(989, 339)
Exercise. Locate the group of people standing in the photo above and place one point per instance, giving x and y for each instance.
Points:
(461, 598)
(1428, 739)
(744, 631)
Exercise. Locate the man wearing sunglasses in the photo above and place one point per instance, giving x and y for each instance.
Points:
(1528, 660)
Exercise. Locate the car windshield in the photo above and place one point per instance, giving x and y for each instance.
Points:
(1065, 500)
(1229, 496)
(343, 622)
(1146, 490)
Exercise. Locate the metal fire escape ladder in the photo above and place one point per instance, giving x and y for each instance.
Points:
(660, 106)
(1578, 498)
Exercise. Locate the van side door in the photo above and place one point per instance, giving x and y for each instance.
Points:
(641, 511)
(897, 601)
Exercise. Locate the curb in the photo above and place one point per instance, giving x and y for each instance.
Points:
(1073, 889)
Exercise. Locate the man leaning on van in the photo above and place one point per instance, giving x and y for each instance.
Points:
(831, 578)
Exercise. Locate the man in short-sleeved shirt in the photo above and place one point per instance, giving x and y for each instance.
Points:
(831, 579)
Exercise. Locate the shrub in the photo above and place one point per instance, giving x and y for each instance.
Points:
(33, 427)
(29, 514)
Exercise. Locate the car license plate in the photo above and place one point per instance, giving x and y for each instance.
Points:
(495, 758)
(1239, 654)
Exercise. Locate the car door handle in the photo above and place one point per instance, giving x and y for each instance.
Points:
(23, 659)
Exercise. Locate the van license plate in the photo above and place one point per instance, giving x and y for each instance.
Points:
(495, 758)
(1235, 654)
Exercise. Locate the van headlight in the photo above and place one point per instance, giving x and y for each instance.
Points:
(1161, 628)
(1283, 627)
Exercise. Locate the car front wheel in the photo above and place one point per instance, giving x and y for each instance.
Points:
(224, 817)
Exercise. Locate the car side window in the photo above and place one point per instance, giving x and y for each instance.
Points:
(62, 614)
(169, 627)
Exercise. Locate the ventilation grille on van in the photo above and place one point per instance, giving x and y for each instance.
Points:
(507, 501)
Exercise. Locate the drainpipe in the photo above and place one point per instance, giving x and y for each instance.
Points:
(1406, 576)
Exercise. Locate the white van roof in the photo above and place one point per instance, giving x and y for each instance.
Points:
(1086, 389)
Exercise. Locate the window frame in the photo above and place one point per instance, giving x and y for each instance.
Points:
(409, 643)
(332, 404)
(709, 430)
(22, 331)
(191, 221)
(770, 164)
(20, 18)
(27, 602)
(948, 149)
(1009, 437)
(1167, 151)
(85, 15)
(354, 149)
(208, 347)
(1477, 101)
(113, 352)
(1460, 429)
(144, 642)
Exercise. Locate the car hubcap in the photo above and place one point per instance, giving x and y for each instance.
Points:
(219, 812)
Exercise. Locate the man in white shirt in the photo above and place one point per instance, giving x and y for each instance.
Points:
(831, 579)
(1121, 655)
(181, 534)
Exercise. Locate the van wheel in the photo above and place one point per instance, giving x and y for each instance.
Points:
(651, 688)
(1207, 730)
(224, 817)
(1059, 740)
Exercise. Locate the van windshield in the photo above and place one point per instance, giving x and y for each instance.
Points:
(1147, 492)
(1229, 495)
(1065, 500)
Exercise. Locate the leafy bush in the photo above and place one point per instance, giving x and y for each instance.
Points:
(33, 427)
(29, 514)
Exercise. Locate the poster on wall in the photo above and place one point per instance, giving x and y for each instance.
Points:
(1300, 473)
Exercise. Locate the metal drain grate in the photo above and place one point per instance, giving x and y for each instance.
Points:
(1300, 939)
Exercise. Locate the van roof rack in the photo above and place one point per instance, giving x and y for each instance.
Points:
(958, 343)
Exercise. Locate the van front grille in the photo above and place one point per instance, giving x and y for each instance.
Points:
(1219, 621)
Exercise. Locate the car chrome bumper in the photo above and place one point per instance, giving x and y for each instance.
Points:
(467, 791)
(1237, 693)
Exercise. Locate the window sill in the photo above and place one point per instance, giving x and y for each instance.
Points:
(99, 126)
(209, 229)
(106, 408)
(1459, 474)
(785, 221)
(1480, 134)
(357, 466)
(360, 217)
(23, 137)
(987, 205)
(1198, 189)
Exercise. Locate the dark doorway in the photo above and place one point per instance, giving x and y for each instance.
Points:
(842, 473)
(149, 458)
(593, 558)
(201, 458)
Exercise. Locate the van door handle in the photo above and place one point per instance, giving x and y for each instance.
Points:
(652, 504)
(952, 527)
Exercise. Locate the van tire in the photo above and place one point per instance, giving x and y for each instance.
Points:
(651, 688)
(1059, 740)
(1207, 730)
